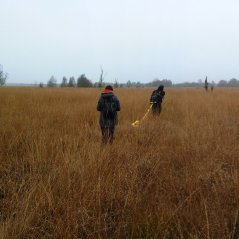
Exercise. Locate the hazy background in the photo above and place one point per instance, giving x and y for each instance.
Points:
(130, 39)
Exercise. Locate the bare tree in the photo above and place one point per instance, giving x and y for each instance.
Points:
(102, 76)
(116, 84)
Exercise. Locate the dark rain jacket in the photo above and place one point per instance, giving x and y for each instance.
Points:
(157, 97)
(108, 122)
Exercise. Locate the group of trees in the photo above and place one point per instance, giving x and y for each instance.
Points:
(81, 81)
(231, 83)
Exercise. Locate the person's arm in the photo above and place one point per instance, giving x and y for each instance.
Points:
(161, 95)
(99, 105)
(150, 100)
(117, 104)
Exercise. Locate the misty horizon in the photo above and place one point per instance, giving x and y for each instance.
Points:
(130, 40)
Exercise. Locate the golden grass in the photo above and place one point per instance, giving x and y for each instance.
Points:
(176, 176)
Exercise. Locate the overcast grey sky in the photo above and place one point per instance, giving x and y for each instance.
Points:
(137, 40)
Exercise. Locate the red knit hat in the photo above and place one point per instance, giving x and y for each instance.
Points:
(108, 89)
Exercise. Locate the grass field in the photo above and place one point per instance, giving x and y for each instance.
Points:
(176, 176)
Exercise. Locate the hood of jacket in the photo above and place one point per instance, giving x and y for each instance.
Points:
(107, 94)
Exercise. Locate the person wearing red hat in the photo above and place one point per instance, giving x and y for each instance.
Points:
(108, 105)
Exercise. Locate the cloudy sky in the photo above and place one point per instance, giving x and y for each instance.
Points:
(137, 40)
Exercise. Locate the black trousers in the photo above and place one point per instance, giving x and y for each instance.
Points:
(107, 134)
(156, 109)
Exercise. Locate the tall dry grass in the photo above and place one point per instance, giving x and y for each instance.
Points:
(176, 176)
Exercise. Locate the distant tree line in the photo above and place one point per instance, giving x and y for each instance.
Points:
(154, 83)
(157, 82)
(83, 82)
(231, 83)
(188, 84)
(222, 83)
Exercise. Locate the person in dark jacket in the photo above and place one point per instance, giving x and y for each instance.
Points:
(156, 99)
(108, 105)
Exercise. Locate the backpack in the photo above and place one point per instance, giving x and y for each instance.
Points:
(109, 108)
(154, 97)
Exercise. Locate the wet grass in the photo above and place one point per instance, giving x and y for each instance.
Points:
(176, 176)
